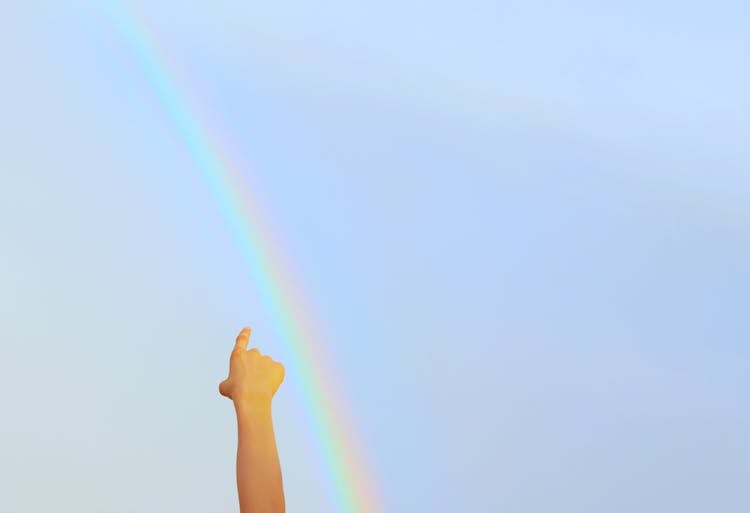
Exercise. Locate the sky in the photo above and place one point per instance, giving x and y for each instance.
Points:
(522, 226)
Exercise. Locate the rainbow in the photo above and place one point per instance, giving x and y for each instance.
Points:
(351, 486)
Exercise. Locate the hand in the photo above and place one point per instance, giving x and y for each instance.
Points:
(252, 376)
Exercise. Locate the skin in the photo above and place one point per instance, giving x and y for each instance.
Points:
(252, 382)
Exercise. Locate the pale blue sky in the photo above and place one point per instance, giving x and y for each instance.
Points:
(524, 226)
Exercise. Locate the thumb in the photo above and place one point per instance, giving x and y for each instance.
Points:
(224, 388)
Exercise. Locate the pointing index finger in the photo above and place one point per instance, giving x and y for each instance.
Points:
(242, 339)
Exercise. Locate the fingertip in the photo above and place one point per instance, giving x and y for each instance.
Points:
(242, 338)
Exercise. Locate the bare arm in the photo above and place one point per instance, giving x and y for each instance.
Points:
(252, 382)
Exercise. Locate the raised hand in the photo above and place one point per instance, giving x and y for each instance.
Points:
(252, 382)
(252, 376)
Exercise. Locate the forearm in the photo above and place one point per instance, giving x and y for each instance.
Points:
(259, 482)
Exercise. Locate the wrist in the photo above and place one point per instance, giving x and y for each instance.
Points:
(253, 405)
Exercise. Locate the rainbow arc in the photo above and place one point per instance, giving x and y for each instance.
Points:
(351, 484)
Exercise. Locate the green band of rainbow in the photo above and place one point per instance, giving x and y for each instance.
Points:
(351, 486)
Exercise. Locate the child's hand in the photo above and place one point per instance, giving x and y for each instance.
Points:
(252, 376)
